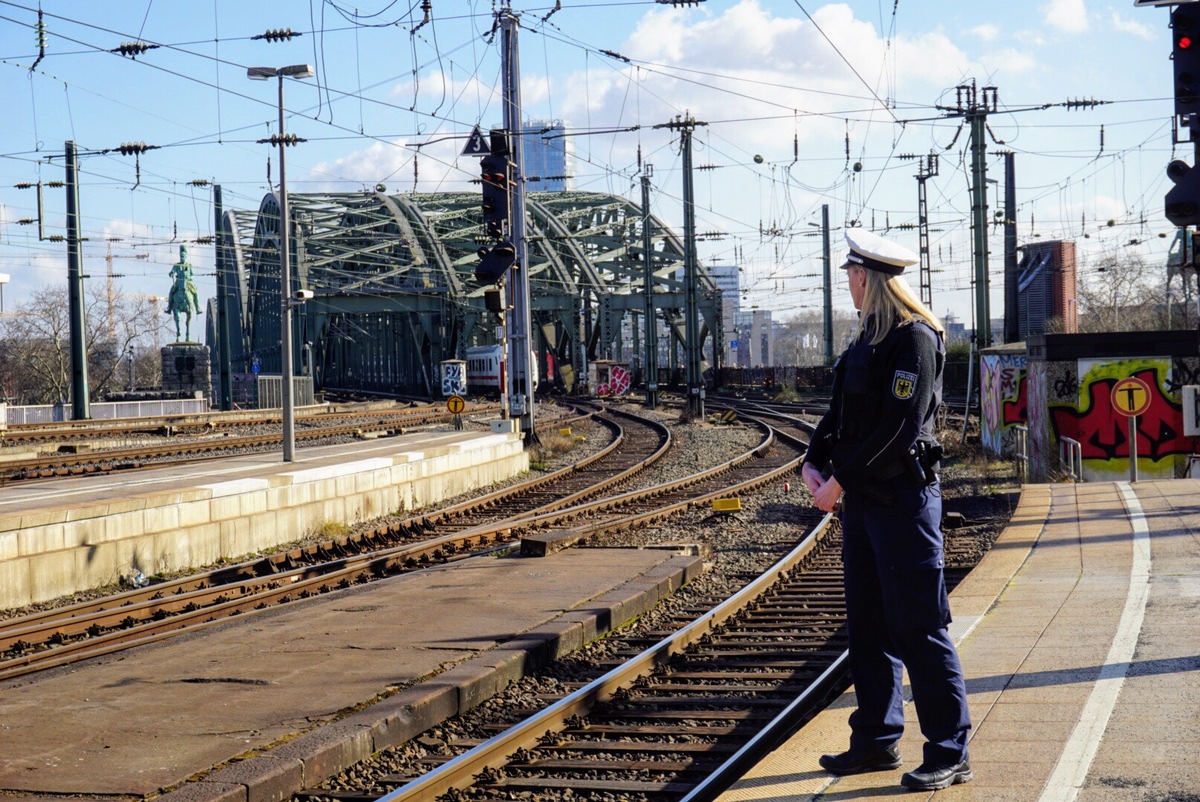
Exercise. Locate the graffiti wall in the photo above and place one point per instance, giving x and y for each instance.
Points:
(1002, 397)
(1079, 406)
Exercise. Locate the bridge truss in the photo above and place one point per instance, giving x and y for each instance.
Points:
(394, 293)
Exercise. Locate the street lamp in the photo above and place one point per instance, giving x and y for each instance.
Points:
(285, 259)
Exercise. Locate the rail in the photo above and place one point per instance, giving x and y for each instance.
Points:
(1021, 451)
(1070, 458)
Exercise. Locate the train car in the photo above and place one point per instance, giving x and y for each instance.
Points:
(483, 369)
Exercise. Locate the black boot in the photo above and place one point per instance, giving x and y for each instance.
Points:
(859, 762)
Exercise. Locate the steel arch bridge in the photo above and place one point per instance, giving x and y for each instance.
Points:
(394, 293)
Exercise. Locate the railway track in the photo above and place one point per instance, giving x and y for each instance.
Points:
(63, 635)
(193, 440)
(679, 714)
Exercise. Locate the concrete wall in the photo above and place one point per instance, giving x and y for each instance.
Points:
(62, 550)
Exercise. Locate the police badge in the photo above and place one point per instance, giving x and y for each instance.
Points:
(903, 384)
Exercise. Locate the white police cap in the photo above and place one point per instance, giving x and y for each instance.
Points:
(876, 253)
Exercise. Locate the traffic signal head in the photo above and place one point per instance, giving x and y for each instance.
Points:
(494, 262)
(1185, 57)
(495, 174)
(1183, 199)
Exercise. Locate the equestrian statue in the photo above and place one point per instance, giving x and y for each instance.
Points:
(183, 299)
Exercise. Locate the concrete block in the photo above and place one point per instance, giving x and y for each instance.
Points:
(236, 537)
(85, 532)
(194, 513)
(328, 750)
(52, 575)
(482, 677)
(561, 637)
(224, 508)
(35, 540)
(10, 546)
(204, 544)
(99, 564)
(404, 715)
(46, 517)
(254, 503)
(266, 778)
(205, 791)
(234, 487)
(15, 588)
(160, 519)
(119, 506)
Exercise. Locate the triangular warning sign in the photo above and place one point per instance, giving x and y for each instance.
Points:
(476, 144)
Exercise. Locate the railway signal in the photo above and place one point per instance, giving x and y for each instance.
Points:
(496, 174)
(1185, 59)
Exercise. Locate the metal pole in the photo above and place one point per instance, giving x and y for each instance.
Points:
(285, 291)
(695, 380)
(520, 320)
(224, 293)
(827, 265)
(648, 290)
(80, 409)
(1133, 457)
(983, 333)
(1012, 327)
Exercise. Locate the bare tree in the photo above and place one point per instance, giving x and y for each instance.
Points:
(800, 340)
(1122, 293)
(35, 358)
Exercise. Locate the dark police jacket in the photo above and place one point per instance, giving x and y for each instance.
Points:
(884, 400)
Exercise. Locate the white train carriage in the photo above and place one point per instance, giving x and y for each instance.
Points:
(483, 368)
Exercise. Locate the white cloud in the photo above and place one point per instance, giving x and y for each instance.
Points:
(1066, 15)
(762, 66)
(1008, 61)
(987, 31)
(1131, 26)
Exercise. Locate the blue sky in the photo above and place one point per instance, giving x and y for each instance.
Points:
(812, 88)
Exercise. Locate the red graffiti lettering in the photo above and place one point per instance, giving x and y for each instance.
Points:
(1014, 411)
(1103, 433)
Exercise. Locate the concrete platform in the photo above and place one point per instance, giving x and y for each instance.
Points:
(256, 709)
(1080, 638)
(65, 535)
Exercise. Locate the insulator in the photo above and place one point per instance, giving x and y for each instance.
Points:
(199, 182)
(26, 221)
(23, 185)
(205, 240)
(56, 238)
(132, 49)
(277, 34)
(56, 184)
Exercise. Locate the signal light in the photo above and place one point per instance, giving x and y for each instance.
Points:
(1183, 199)
(494, 171)
(1185, 57)
(494, 263)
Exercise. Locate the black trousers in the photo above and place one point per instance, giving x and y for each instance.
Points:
(897, 613)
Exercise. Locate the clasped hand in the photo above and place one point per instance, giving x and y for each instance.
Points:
(826, 493)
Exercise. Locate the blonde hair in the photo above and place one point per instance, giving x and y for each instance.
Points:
(887, 302)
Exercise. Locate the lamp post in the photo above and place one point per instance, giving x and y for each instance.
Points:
(285, 259)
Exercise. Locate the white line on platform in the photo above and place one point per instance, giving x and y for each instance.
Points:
(1072, 769)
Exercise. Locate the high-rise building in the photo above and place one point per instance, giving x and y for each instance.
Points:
(549, 156)
(1046, 287)
(728, 281)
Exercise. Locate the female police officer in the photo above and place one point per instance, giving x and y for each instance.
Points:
(875, 453)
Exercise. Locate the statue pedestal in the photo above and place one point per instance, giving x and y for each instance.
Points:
(186, 370)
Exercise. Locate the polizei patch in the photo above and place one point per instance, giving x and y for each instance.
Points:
(903, 384)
